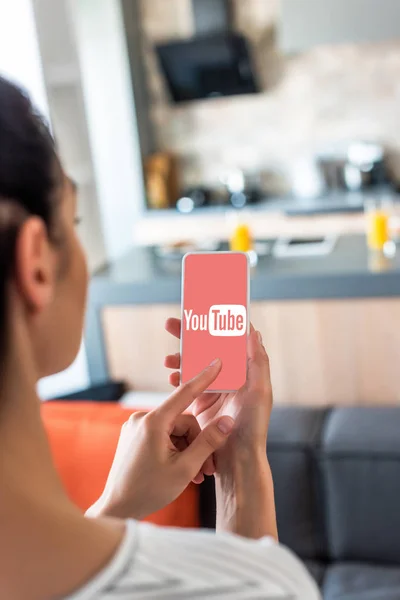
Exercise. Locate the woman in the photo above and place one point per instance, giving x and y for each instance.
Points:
(48, 549)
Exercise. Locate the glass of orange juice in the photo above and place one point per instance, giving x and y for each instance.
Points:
(241, 239)
(378, 212)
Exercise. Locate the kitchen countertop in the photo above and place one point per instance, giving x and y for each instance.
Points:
(348, 272)
(142, 277)
(336, 213)
(333, 202)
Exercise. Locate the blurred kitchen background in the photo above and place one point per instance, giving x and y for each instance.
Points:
(327, 81)
(270, 126)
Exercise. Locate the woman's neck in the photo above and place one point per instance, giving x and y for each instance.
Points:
(40, 528)
(26, 466)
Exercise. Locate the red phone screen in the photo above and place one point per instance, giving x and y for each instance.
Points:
(215, 292)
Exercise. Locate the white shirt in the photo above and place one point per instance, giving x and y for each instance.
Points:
(175, 564)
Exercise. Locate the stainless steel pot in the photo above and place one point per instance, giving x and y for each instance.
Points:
(360, 166)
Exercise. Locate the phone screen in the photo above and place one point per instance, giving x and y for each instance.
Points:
(215, 322)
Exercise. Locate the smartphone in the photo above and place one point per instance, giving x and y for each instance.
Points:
(215, 316)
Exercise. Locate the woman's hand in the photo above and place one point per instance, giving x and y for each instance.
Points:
(160, 452)
(250, 407)
(244, 486)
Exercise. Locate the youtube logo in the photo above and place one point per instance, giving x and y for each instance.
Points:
(222, 320)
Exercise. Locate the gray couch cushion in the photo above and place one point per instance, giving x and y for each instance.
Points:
(360, 460)
(293, 434)
(361, 429)
(361, 582)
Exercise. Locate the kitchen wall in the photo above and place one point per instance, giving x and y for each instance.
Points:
(327, 94)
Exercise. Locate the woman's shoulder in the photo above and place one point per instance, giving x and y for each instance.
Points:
(220, 559)
(157, 562)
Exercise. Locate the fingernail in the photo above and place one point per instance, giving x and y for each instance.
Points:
(259, 337)
(225, 425)
(215, 362)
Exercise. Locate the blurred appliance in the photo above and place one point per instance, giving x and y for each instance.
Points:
(216, 62)
(353, 167)
(359, 166)
(238, 189)
(194, 198)
(242, 188)
(305, 179)
(207, 67)
(304, 247)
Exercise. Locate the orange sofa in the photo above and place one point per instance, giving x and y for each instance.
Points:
(83, 438)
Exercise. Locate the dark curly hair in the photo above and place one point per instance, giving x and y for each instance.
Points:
(29, 179)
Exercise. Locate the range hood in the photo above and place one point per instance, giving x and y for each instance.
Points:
(212, 16)
(215, 62)
(304, 24)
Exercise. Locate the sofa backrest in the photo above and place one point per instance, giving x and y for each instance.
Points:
(360, 469)
(294, 435)
(337, 482)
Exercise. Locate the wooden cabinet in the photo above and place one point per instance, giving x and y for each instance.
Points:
(333, 352)
(137, 343)
(321, 352)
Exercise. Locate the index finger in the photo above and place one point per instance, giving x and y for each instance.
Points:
(186, 393)
(173, 326)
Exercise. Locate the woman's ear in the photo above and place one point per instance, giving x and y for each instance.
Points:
(35, 265)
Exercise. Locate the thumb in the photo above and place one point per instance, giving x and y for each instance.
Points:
(206, 443)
